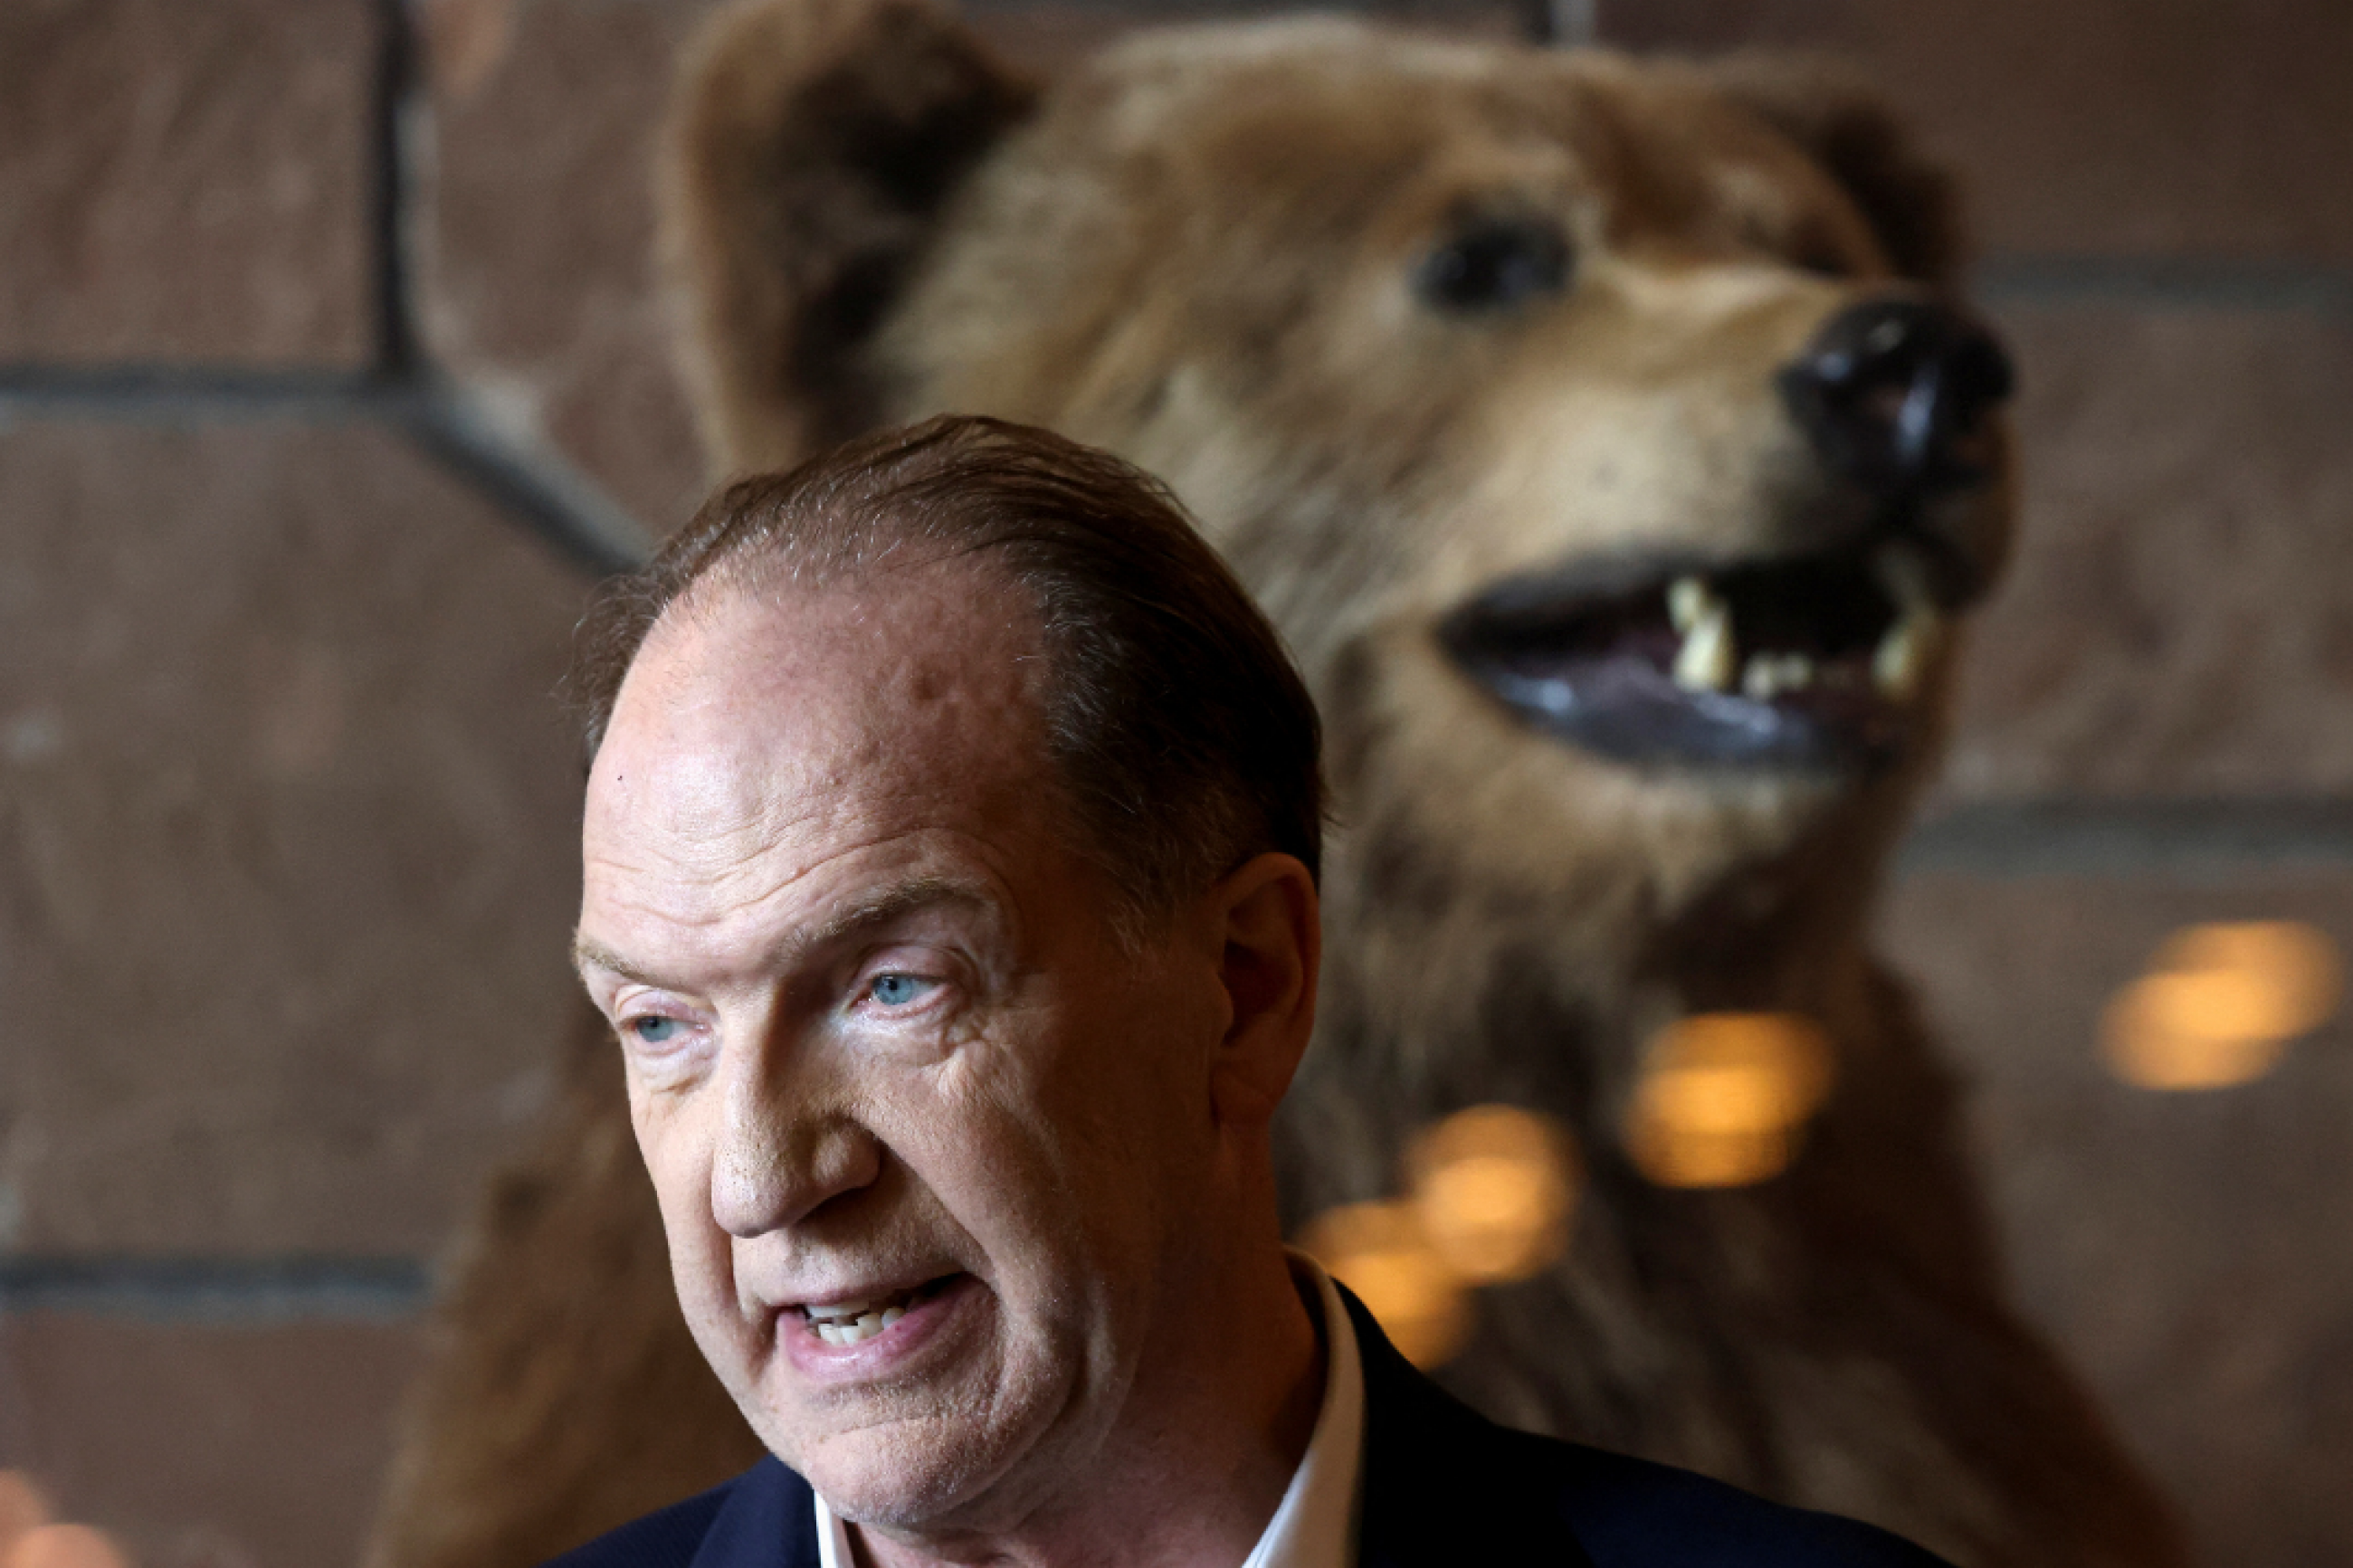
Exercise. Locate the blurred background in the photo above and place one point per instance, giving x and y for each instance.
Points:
(331, 375)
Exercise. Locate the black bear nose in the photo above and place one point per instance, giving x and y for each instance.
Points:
(1893, 393)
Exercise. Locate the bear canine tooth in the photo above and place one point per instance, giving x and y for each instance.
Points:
(1688, 599)
(1705, 662)
(1903, 654)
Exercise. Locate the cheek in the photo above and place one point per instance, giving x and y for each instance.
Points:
(677, 1156)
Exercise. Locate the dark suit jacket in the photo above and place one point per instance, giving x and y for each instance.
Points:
(1443, 1485)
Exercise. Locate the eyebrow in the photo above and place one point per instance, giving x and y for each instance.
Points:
(880, 908)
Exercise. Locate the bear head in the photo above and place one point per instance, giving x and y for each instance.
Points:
(1602, 432)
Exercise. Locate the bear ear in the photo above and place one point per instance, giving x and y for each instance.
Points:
(1912, 202)
(811, 147)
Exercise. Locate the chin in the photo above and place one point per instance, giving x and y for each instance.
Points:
(907, 1477)
(963, 1449)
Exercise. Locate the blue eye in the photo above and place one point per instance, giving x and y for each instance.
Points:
(653, 1031)
(898, 990)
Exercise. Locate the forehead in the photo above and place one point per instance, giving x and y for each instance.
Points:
(764, 719)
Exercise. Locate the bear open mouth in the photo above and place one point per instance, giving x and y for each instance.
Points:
(1805, 661)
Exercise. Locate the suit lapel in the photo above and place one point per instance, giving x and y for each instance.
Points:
(769, 1520)
(1443, 1483)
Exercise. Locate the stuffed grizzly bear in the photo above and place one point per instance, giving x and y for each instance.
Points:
(1604, 438)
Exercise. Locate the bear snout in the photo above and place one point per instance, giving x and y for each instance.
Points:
(1895, 394)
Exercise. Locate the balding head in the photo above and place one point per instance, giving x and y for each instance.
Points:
(1181, 737)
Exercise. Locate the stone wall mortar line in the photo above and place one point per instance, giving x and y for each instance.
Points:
(192, 392)
(526, 479)
(521, 477)
(2191, 840)
(514, 470)
(219, 1291)
(401, 136)
(2163, 283)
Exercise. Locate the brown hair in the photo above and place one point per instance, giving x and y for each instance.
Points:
(1174, 717)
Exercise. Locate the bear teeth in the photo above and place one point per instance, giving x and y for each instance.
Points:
(1901, 658)
(1766, 676)
(1709, 659)
(1706, 661)
(1688, 598)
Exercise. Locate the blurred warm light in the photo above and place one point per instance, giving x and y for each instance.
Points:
(2221, 1003)
(64, 1546)
(22, 1508)
(1495, 1186)
(1725, 1096)
(1382, 1253)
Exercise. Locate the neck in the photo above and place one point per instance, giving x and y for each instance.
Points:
(1224, 1403)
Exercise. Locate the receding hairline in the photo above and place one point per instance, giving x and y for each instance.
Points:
(768, 587)
(1178, 729)
(767, 584)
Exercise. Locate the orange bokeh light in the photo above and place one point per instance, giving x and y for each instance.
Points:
(22, 1510)
(1497, 1187)
(1724, 1098)
(2221, 1003)
(1381, 1251)
(64, 1546)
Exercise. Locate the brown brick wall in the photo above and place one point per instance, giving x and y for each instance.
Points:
(230, 1445)
(285, 811)
(187, 182)
(285, 845)
(2188, 1249)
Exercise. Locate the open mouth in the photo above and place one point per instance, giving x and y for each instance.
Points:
(1806, 661)
(846, 1323)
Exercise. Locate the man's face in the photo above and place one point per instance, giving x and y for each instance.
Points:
(882, 1046)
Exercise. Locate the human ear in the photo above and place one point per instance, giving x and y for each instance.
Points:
(1273, 940)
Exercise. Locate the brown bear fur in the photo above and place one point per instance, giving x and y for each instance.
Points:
(1193, 250)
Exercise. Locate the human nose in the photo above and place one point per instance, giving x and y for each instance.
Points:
(788, 1146)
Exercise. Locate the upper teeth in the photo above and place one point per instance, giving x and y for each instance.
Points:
(1907, 649)
(1708, 656)
(848, 1322)
(1686, 598)
(836, 1332)
(840, 1312)
(1766, 675)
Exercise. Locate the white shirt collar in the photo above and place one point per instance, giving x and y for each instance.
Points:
(1314, 1525)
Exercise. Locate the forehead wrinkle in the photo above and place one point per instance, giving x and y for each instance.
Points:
(883, 906)
(891, 896)
(862, 913)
